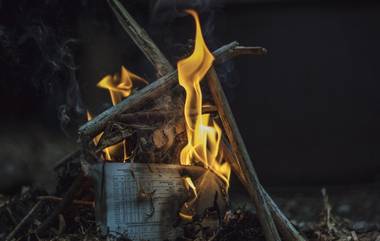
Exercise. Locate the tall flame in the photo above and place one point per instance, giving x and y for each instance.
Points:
(204, 135)
(119, 86)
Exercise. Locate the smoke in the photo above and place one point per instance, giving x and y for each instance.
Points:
(167, 10)
(38, 55)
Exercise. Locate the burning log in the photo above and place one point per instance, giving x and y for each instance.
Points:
(157, 114)
(284, 226)
(146, 94)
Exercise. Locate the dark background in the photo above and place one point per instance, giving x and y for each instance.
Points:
(308, 110)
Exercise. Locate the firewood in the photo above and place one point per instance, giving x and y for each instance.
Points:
(157, 115)
(24, 221)
(60, 199)
(239, 148)
(285, 227)
(163, 138)
(69, 157)
(242, 50)
(66, 201)
(110, 137)
(146, 94)
(141, 39)
(158, 60)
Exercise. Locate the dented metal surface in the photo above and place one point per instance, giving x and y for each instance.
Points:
(141, 200)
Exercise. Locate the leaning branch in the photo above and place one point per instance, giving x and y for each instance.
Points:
(284, 226)
(146, 94)
(239, 148)
(141, 39)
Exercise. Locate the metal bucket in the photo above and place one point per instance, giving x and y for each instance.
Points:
(139, 200)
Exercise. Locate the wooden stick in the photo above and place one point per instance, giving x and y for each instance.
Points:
(67, 200)
(113, 139)
(60, 199)
(285, 227)
(146, 94)
(23, 221)
(141, 39)
(242, 50)
(154, 115)
(238, 147)
(69, 157)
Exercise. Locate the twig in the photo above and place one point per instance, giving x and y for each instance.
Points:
(354, 236)
(69, 157)
(239, 148)
(241, 50)
(10, 214)
(59, 199)
(66, 201)
(23, 221)
(109, 139)
(152, 115)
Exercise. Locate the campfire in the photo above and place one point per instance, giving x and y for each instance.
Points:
(160, 159)
(162, 155)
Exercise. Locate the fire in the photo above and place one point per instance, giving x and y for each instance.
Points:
(119, 86)
(203, 134)
(96, 139)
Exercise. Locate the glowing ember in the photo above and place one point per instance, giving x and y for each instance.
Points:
(203, 134)
(119, 86)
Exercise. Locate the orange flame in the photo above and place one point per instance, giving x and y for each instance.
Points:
(203, 135)
(119, 86)
(106, 151)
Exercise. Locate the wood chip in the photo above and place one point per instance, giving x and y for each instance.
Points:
(354, 236)
(159, 138)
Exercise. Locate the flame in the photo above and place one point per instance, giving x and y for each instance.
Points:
(119, 86)
(203, 135)
(106, 151)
